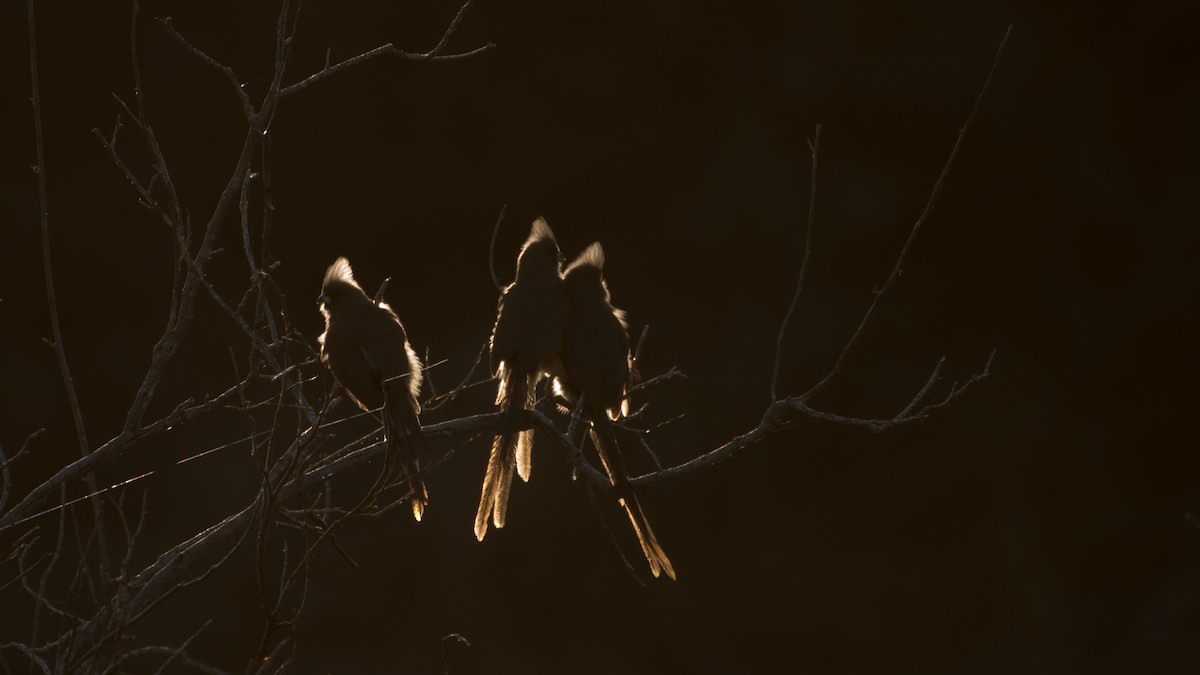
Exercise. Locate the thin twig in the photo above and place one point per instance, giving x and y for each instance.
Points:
(673, 374)
(573, 452)
(794, 410)
(462, 11)
(573, 426)
(924, 391)
(437, 401)
(185, 412)
(189, 564)
(39, 596)
(268, 202)
(168, 343)
(262, 302)
(637, 353)
(137, 71)
(224, 70)
(813, 147)
(383, 50)
(492, 250)
(912, 235)
(612, 537)
(57, 343)
(145, 195)
(641, 440)
(6, 462)
(60, 350)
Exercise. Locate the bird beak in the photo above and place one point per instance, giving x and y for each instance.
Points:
(323, 300)
(561, 258)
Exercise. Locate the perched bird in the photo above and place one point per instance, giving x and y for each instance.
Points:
(365, 347)
(532, 314)
(595, 365)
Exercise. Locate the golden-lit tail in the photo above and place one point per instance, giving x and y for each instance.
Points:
(405, 439)
(510, 451)
(610, 456)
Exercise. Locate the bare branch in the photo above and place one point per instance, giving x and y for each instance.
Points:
(574, 454)
(35, 659)
(438, 401)
(462, 11)
(492, 250)
(6, 462)
(39, 596)
(298, 453)
(166, 346)
(612, 537)
(60, 350)
(794, 410)
(172, 653)
(263, 304)
(924, 391)
(637, 352)
(97, 644)
(137, 71)
(645, 445)
(912, 235)
(145, 194)
(282, 51)
(573, 426)
(813, 147)
(673, 374)
(225, 71)
(383, 50)
(173, 569)
(184, 412)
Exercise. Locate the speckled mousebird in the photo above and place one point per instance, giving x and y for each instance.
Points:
(365, 347)
(530, 319)
(595, 364)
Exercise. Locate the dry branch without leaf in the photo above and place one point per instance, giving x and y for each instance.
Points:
(84, 601)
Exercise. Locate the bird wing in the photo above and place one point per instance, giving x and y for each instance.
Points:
(350, 367)
(385, 349)
(597, 357)
(529, 326)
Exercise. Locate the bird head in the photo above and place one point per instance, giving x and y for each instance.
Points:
(588, 267)
(338, 285)
(584, 278)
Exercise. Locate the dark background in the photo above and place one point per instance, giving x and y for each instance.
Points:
(1037, 526)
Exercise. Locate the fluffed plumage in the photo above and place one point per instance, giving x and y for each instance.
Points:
(367, 350)
(530, 320)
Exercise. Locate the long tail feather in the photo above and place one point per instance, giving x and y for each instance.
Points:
(405, 438)
(610, 456)
(509, 448)
(524, 449)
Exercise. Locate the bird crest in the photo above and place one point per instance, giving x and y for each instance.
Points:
(592, 256)
(540, 230)
(539, 257)
(339, 273)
